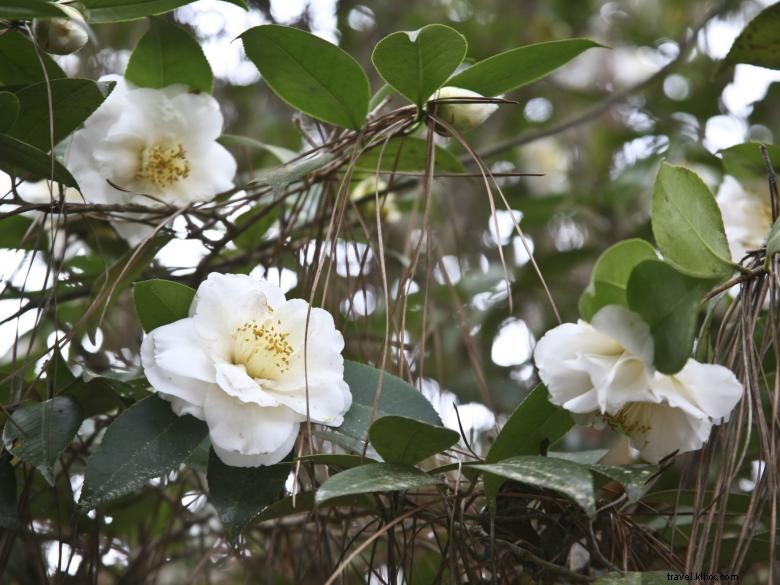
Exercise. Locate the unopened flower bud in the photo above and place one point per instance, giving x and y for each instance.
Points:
(61, 36)
(461, 108)
(388, 210)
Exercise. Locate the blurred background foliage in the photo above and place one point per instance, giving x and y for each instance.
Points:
(597, 130)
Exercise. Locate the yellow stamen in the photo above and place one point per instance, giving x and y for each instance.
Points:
(263, 349)
(163, 164)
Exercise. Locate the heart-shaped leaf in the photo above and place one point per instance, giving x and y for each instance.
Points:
(417, 63)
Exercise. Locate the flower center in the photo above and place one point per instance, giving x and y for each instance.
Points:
(262, 349)
(163, 164)
(633, 418)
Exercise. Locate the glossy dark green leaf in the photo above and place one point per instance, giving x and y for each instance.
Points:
(28, 9)
(38, 433)
(687, 224)
(517, 67)
(668, 301)
(20, 63)
(634, 478)
(20, 159)
(144, 442)
(373, 478)
(745, 161)
(609, 279)
(94, 397)
(311, 74)
(399, 439)
(119, 10)
(166, 55)
(72, 102)
(9, 110)
(758, 43)
(406, 154)
(342, 460)
(567, 478)
(159, 302)
(417, 63)
(241, 493)
(535, 425)
(396, 398)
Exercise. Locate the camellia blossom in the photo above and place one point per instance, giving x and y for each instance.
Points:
(151, 147)
(747, 217)
(465, 115)
(602, 372)
(247, 362)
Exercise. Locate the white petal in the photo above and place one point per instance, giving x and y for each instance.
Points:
(179, 349)
(323, 361)
(236, 459)
(328, 401)
(235, 382)
(225, 301)
(248, 429)
(627, 328)
(557, 356)
(189, 389)
(661, 430)
(713, 389)
(182, 407)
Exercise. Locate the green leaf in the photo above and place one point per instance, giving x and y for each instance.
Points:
(535, 425)
(688, 226)
(309, 73)
(758, 43)
(417, 63)
(396, 398)
(167, 54)
(9, 110)
(588, 457)
(283, 155)
(373, 478)
(28, 9)
(259, 222)
(9, 515)
(119, 10)
(745, 162)
(240, 493)
(668, 301)
(146, 441)
(342, 460)
(633, 478)
(406, 154)
(609, 279)
(94, 397)
(159, 302)
(399, 439)
(772, 243)
(567, 478)
(38, 433)
(15, 233)
(20, 63)
(517, 67)
(72, 102)
(18, 158)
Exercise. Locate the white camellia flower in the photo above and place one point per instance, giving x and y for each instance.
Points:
(747, 217)
(237, 362)
(602, 372)
(157, 146)
(465, 115)
(61, 36)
